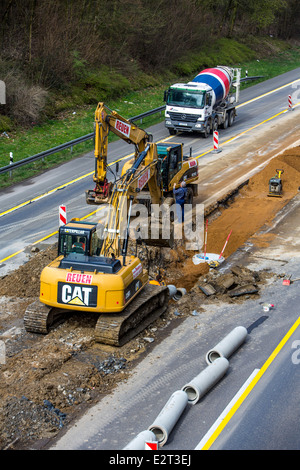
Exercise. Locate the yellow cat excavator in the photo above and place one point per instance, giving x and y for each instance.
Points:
(93, 271)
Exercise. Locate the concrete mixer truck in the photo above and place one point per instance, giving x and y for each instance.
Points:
(204, 104)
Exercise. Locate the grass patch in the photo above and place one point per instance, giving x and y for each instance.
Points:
(271, 67)
(223, 52)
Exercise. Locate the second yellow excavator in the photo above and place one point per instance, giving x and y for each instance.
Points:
(166, 158)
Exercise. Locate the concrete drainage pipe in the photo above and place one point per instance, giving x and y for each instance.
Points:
(176, 293)
(203, 382)
(169, 415)
(228, 345)
(138, 443)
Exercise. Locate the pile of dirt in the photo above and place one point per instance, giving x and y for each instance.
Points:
(24, 281)
(238, 282)
(46, 379)
(235, 286)
(32, 421)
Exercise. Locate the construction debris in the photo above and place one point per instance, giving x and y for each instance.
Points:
(239, 281)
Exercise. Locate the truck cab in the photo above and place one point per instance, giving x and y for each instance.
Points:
(188, 107)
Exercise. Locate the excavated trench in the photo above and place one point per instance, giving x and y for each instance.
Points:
(46, 381)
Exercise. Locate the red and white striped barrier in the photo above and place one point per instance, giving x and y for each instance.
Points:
(225, 245)
(62, 215)
(216, 142)
(290, 103)
(153, 445)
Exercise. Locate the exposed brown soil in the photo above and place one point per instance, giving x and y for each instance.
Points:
(244, 215)
(47, 380)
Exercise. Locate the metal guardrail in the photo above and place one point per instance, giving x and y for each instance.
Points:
(79, 140)
(245, 79)
(71, 143)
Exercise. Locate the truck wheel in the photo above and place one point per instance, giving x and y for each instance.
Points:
(225, 123)
(215, 125)
(206, 130)
(230, 118)
(172, 132)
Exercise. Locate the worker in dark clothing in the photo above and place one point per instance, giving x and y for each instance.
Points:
(180, 195)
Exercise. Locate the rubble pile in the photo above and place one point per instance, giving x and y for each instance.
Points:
(21, 418)
(240, 281)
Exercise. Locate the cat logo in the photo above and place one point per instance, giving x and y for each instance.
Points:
(77, 294)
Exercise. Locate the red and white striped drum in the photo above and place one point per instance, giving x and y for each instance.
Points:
(219, 79)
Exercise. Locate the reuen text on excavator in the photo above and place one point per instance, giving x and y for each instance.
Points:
(93, 271)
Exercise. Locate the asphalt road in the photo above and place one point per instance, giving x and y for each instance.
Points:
(269, 418)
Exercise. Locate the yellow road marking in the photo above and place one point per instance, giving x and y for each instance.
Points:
(247, 130)
(128, 156)
(59, 187)
(250, 129)
(46, 237)
(250, 387)
(266, 94)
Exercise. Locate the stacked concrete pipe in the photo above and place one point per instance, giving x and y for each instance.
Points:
(228, 345)
(218, 364)
(176, 293)
(168, 417)
(203, 382)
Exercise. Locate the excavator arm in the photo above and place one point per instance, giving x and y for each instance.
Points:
(107, 120)
(144, 171)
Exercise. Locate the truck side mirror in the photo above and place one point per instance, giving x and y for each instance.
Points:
(117, 167)
(165, 95)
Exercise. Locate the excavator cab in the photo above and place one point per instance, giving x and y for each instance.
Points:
(176, 167)
(115, 289)
(170, 156)
(81, 238)
(93, 272)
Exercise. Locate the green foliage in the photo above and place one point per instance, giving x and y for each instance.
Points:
(103, 82)
(6, 124)
(60, 54)
(223, 51)
(263, 13)
(79, 65)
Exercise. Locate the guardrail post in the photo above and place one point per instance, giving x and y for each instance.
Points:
(11, 161)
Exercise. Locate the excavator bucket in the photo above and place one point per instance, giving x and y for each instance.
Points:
(100, 194)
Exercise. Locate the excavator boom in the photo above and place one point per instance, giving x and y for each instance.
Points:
(107, 121)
